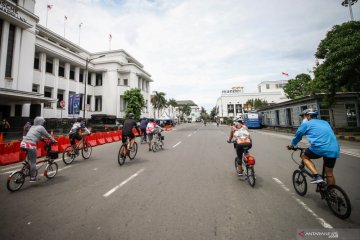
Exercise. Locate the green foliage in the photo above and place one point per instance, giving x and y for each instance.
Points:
(256, 103)
(158, 101)
(340, 69)
(186, 109)
(213, 113)
(298, 87)
(204, 115)
(229, 121)
(135, 102)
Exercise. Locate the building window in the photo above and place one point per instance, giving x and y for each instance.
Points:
(61, 69)
(238, 108)
(10, 51)
(60, 97)
(230, 108)
(98, 103)
(49, 65)
(324, 113)
(81, 76)
(139, 83)
(37, 61)
(259, 87)
(47, 93)
(18, 110)
(267, 86)
(147, 87)
(88, 100)
(35, 88)
(98, 79)
(15, 1)
(122, 104)
(72, 73)
(350, 115)
(126, 82)
(89, 79)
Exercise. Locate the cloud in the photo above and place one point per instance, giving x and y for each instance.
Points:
(195, 48)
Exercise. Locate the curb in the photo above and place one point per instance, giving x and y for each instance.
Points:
(348, 138)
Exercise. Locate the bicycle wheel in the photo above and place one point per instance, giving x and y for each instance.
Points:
(155, 147)
(122, 155)
(51, 170)
(87, 150)
(299, 182)
(68, 155)
(338, 201)
(251, 175)
(15, 181)
(133, 151)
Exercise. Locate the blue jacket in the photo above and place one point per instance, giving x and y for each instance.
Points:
(321, 137)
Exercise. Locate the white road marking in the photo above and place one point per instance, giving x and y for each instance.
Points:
(176, 144)
(95, 169)
(321, 220)
(123, 183)
(189, 135)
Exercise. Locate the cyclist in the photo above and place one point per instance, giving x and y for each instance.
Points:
(75, 132)
(143, 124)
(35, 133)
(240, 134)
(323, 143)
(127, 132)
(150, 130)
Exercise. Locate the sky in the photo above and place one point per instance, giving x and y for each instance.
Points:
(194, 49)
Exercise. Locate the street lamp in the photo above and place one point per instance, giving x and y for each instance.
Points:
(88, 60)
(349, 3)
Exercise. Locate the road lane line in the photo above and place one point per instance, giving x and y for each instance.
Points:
(189, 135)
(320, 220)
(176, 144)
(123, 183)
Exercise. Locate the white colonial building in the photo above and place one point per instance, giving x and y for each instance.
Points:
(39, 69)
(232, 102)
(194, 114)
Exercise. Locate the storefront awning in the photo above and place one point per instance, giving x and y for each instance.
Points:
(8, 96)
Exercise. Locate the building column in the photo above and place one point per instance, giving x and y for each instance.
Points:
(77, 76)
(42, 60)
(3, 51)
(25, 110)
(56, 63)
(16, 58)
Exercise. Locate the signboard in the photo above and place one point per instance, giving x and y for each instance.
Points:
(74, 104)
(11, 10)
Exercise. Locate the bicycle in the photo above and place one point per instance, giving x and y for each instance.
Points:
(336, 198)
(247, 164)
(158, 142)
(17, 179)
(71, 152)
(125, 151)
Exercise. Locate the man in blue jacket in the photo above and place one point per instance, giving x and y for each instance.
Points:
(323, 144)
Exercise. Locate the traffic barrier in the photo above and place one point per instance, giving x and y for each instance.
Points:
(10, 153)
(108, 137)
(116, 135)
(100, 138)
(168, 128)
(63, 142)
(92, 140)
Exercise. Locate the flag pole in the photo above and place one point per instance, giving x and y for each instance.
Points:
(80, 31)
(110, 37)
(65, 18)
(47, 13)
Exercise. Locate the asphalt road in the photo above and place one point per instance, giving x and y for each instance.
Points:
(187, 191)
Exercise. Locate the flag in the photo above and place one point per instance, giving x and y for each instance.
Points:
(110, 36)
(285, 73)
(80, 25)
(49, 6)
(65, 18)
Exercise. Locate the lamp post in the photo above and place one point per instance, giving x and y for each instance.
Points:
(349, 3)
(88, 60)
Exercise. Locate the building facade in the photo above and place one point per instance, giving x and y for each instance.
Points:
(344, 113)
(233, 102)
(48, 68)
(194, 114)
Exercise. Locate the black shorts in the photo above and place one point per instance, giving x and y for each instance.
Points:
(126, 136)
(74, 136)
(328, 162)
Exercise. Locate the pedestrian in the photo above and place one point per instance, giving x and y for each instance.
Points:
(27, 126)
(143, 124)
(5, 126)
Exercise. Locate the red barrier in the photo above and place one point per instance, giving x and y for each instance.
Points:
(108, 137)
(10, 153)
(116, 136)
(100, 138)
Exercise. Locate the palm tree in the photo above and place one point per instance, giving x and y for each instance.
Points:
(158, 101)
(186, 109)
(172, 103)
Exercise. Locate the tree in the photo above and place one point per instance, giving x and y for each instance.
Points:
(204, 115)
(340, 69)
(185, 109)
(158, 101)
(135, 102)
(298, 87)
(213, 113)
(172, 104)
(256, 103)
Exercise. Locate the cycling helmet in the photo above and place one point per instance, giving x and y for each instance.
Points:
(239, 120)
(131, 115)
(79, 119)
(309, 111)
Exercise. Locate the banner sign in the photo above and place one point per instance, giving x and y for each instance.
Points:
(70, 107)
(74, 104)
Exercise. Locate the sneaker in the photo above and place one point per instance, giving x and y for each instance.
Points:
(317, 179)
(150, 149)
(32, 180)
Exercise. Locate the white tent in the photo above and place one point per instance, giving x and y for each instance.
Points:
(164, 117)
